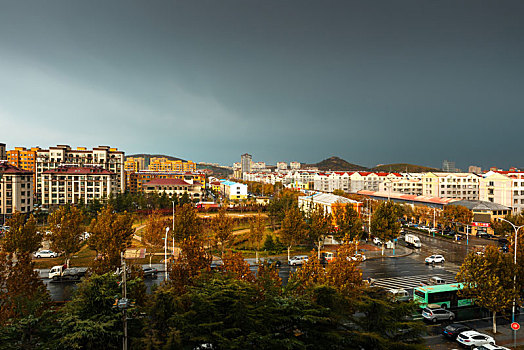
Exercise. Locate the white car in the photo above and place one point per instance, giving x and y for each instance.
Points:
(45, 254)
(298, 260)
(357, 256)
(474, 338)
(435, 259)
(377, 241)
(490, 347)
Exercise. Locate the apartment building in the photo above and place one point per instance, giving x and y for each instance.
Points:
(134, 164)
(405, 185)
(2, 152)
(74, 184)
(16, 189)
(503, 187)
(164, 164)
(294, 165)
(110, 159)
(281, 166)
(136, 181)
(175, 187)
(369, 181)
(328, 182)
(24, 159)
(451, 185)
(245, 162)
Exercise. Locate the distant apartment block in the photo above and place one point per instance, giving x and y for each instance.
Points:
(134, 164)
(174, 187)
(474, 169)
(164, 164)
(136, 181)
(294, 165)
(105, 157)
(258, 166)
(245, 162)
(281, 166)
(448, 166)
(505, 188)
(25, 159)
(74, 184)
(405, 185)
(2, 152)
(16, 189)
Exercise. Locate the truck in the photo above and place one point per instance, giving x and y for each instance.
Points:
(61, 273)
(412, 240)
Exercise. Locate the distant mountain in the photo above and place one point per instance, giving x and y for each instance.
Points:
(216, 170)
(336, 164)
(402, 168)
(211, 170)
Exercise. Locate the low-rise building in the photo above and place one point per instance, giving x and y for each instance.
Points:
(483, 214)
(16, 189)
(135, 181)
(327, 201)
(233, 190)
(174, 187)
(72, 185)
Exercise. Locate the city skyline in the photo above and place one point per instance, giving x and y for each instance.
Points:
(373, 83)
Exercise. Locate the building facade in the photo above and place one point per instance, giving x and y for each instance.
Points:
(505, 188)
(136, 181)
(233, 190)
(73, 185)
(16, 189)
(25, 159)
(175, 187)
(451, 185)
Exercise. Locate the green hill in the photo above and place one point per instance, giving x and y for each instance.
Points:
(336, 164)
(402, 168)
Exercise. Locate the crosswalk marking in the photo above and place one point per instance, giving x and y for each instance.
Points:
(410, 282)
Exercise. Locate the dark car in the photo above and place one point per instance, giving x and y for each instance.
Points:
(503, 241)
(454, 329)
(150, 272)
(275, 262)
(485, 235)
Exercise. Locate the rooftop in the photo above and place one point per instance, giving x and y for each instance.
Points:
(480, 205)
(328, 198)
(71, 170)
(167, 182)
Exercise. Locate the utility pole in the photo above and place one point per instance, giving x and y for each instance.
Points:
(124, 294)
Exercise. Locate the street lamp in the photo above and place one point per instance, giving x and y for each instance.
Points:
(165, 254)
(173, 228)
(516, 228)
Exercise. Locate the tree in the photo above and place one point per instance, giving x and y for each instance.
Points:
(111, 234)
(294, 229)
(223, 228)
(385, 222)
(154, 232)
(187, 223)
(488, 278)
(279, 205)
(66, 225)
(349, 224)
(236, 267)
(257, 227)
(22, 237)
(319, 224)
(454, 215)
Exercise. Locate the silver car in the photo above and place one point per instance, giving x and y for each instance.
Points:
(434, 315)
(45, 254)
(298, 260)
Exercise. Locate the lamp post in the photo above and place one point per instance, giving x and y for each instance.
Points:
(516, 228)
(173, 228)
(165, 255)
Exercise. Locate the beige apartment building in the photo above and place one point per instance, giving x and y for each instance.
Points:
(412, 186)
(164, 164)
(73, 185)
(16, 189)
(451, 185)
(110, 159)
(505, 188)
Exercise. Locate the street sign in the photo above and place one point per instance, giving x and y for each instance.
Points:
(515, 326)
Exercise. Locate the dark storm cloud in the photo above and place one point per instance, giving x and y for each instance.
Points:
(371, 81)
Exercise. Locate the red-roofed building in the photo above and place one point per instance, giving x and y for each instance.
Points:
(16, 189)
(174, 186)
(72, 185)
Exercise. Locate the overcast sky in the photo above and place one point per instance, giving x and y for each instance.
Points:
(370, 81)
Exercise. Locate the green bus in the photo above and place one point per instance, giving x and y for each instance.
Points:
(444, 295)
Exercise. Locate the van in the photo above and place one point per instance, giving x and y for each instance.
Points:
(326, 257)
(435, 280)
(399, 295)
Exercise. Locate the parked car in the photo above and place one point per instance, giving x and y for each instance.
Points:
(435, 259)
(490, 347)
(377, 241)
(434, 315)
(45, 254)
(485, 235)
(358, 256)
(326, 257)
(275, 262)
(298, 260)
(150, 272)
(473, 338)
(454, 329)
